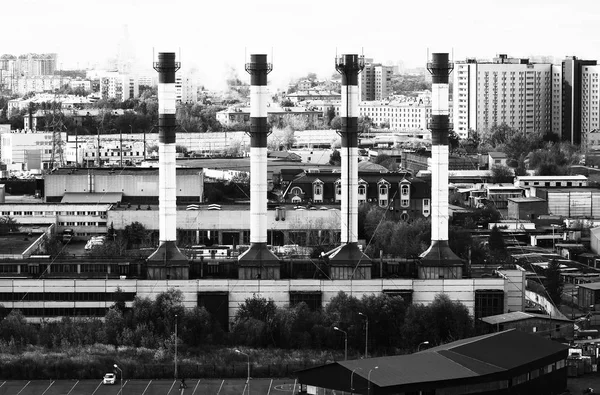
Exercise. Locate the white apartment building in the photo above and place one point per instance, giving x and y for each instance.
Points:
(590, 107)
(186, 90)
(23, 151)
(399, 115)
(464, 97)
(375, 82)
(39, 84)
(85, 84)
(67, 102)
(505, 91)
(118, 86)
(557, 94)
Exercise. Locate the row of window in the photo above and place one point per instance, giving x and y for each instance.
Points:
(74, 223)
(53, 213)
(66, 296)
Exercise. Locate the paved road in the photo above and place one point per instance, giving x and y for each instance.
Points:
(149, 387)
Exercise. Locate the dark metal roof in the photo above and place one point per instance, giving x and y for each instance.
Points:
(444, 365)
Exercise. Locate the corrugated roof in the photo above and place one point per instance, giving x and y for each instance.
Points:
(516, 316)
(82, 197)
(463, 359)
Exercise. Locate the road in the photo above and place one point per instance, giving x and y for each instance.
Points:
(149, 387)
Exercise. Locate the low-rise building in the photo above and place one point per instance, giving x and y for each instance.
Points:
(538, 324)
(531, 183)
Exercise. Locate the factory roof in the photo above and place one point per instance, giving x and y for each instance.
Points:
(516, 316)
(465, 360)
(121, 171)
(99, 198)
(526, 199)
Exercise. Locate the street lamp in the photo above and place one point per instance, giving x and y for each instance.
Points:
(175, 346)
(369, 379)
(115, 365)
(352, 379)
(366, 334)
(422, 344)
(553, 239)
(248, 378)
(335, 328)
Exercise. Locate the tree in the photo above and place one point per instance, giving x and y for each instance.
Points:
(135, 234)
(335, 158)
(287, 103)
(336, 123)
(554, 283)
(441, 322)
(8, 225)
(501, 174)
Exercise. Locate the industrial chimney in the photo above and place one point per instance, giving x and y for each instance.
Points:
(167, 262)
(347, 261)
(439, 261)
(258, 261)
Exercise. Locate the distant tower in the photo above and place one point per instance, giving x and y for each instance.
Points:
(347, 261)
(167, 262)
(258, 261)
(439, 261)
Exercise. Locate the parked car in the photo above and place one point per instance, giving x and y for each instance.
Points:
(109, 378)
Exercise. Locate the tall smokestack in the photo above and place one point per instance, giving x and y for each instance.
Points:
(439, 261)
(349, 254)
(258, 261)
(167, 261)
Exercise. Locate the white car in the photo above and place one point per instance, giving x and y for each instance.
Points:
(109, 378)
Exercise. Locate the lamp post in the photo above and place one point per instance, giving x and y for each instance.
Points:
(422, 344)
(352, 379)
(553, 239)
(175, 346)
(120, 371)
(335, 328)
(369, 380)
(248, 378)
(366, 334)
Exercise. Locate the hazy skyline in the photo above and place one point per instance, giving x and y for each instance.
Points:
(302, 35)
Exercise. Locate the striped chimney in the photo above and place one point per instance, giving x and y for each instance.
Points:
(439, 253)
(258, 254)
(167, 193)
(349, 254)
(349, 66)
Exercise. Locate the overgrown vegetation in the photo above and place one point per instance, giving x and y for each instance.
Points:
(145, 334)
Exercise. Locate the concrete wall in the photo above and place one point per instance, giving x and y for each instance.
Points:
(424, 291)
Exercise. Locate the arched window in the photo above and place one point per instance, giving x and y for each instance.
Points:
(362, 190)
(383, 189)
(404, 190)
(296, 191)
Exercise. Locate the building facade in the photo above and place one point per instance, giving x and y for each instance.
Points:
(508, 91)
(375, 82)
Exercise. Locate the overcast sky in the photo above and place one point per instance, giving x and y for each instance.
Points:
(214, 35)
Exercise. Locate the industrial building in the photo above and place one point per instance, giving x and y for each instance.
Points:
(508, 362)
(220, 283)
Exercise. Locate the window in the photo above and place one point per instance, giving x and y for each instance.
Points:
(318, 189)
(296, 191)
(383, 189)
(404, 190)
(488, 302)
(312, 299)
(362, 190)
(404, 202)
(338, 189)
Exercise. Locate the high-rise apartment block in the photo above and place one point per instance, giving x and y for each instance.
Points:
(529, 97)
(507, 91)
(375, 82)
(29, 64)
(590, 99)
(571, 116)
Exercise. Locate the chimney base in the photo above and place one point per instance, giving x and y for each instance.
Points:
(258, 262)
(168, 263)
(348, 262)
(439, 261)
